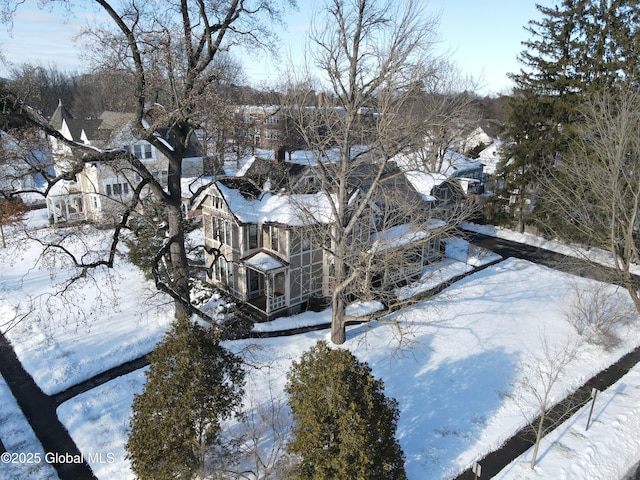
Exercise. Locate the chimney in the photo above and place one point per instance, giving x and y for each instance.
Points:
(320, 99)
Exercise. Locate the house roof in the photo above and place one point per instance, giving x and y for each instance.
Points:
(61, 114)
(405, 234)
(276, 175)
(264, 262)
(284, 209)
(424, 183)
(112, 130)
(453, 164)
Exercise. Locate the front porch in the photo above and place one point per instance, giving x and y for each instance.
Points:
(66, 209)
(266, 286)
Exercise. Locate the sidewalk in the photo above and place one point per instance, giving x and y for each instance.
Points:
(40, 411)
(521, 441)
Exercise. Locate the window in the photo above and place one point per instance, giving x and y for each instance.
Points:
(252, 236)
(208, 226)
(271, 119)
(306, 243)
(222, 270)
(143, 151)
(272, 134)
(227, 233)
(275, 240)
(117, 189)
(217, 202)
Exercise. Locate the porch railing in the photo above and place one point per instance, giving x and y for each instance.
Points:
(276, 303)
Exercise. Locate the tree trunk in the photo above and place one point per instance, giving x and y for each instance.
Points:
(338, 327)
(538, 438)
(177, 250)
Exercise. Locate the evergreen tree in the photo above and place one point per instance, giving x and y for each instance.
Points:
(344, 424)
(578, 47)
(192, 385)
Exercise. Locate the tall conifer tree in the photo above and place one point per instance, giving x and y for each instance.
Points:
(576, 48)
(193, 384)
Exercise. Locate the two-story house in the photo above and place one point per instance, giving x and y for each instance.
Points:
(99, 191)
(268, 243)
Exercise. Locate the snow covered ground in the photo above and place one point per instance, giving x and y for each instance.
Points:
(107, 318)
(454, 363)
(27, 459)
(607, 450)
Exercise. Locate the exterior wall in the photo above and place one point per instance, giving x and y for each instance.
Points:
(306, 267)
(415, 260)
(263, 125)
(104, 189)
(224, 235)
(301, 278)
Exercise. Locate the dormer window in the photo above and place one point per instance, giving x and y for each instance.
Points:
(143, 151)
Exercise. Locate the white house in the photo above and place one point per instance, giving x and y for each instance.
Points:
(99, 191)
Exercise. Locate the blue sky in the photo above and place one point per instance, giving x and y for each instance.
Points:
(483, 36)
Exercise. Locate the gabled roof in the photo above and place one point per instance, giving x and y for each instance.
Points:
(61, 114)
(111, 130)
(264, 261)
(282, 209)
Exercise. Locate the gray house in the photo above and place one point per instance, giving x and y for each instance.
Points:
(263, 232)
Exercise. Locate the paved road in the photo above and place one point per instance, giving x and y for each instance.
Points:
(548, 258)
(634, 474)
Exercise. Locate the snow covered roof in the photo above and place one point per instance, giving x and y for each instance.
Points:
(293, 210)
(63, 188)
(453, 163)
(263, 262)
(401, 235)
(424, 183)
(490, 157)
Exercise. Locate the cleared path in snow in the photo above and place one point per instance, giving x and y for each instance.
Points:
(40, 411)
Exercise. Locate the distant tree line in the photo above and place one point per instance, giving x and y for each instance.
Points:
(87, 95)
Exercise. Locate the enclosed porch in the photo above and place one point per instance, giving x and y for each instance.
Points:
(267, 292)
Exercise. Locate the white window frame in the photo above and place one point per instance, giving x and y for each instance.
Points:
(143, 151)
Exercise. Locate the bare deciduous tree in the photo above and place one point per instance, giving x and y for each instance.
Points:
(540, 375)
(263, 430)
(446, 109)
(594, 191)
(372, 56)
(171, 50)
(370, 53)
(595, 311)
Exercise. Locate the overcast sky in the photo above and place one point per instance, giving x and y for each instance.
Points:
(484, 37)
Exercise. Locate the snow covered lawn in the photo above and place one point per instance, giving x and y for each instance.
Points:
(608, 450)
(104, 320)
(454, 366)
(19, 440)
